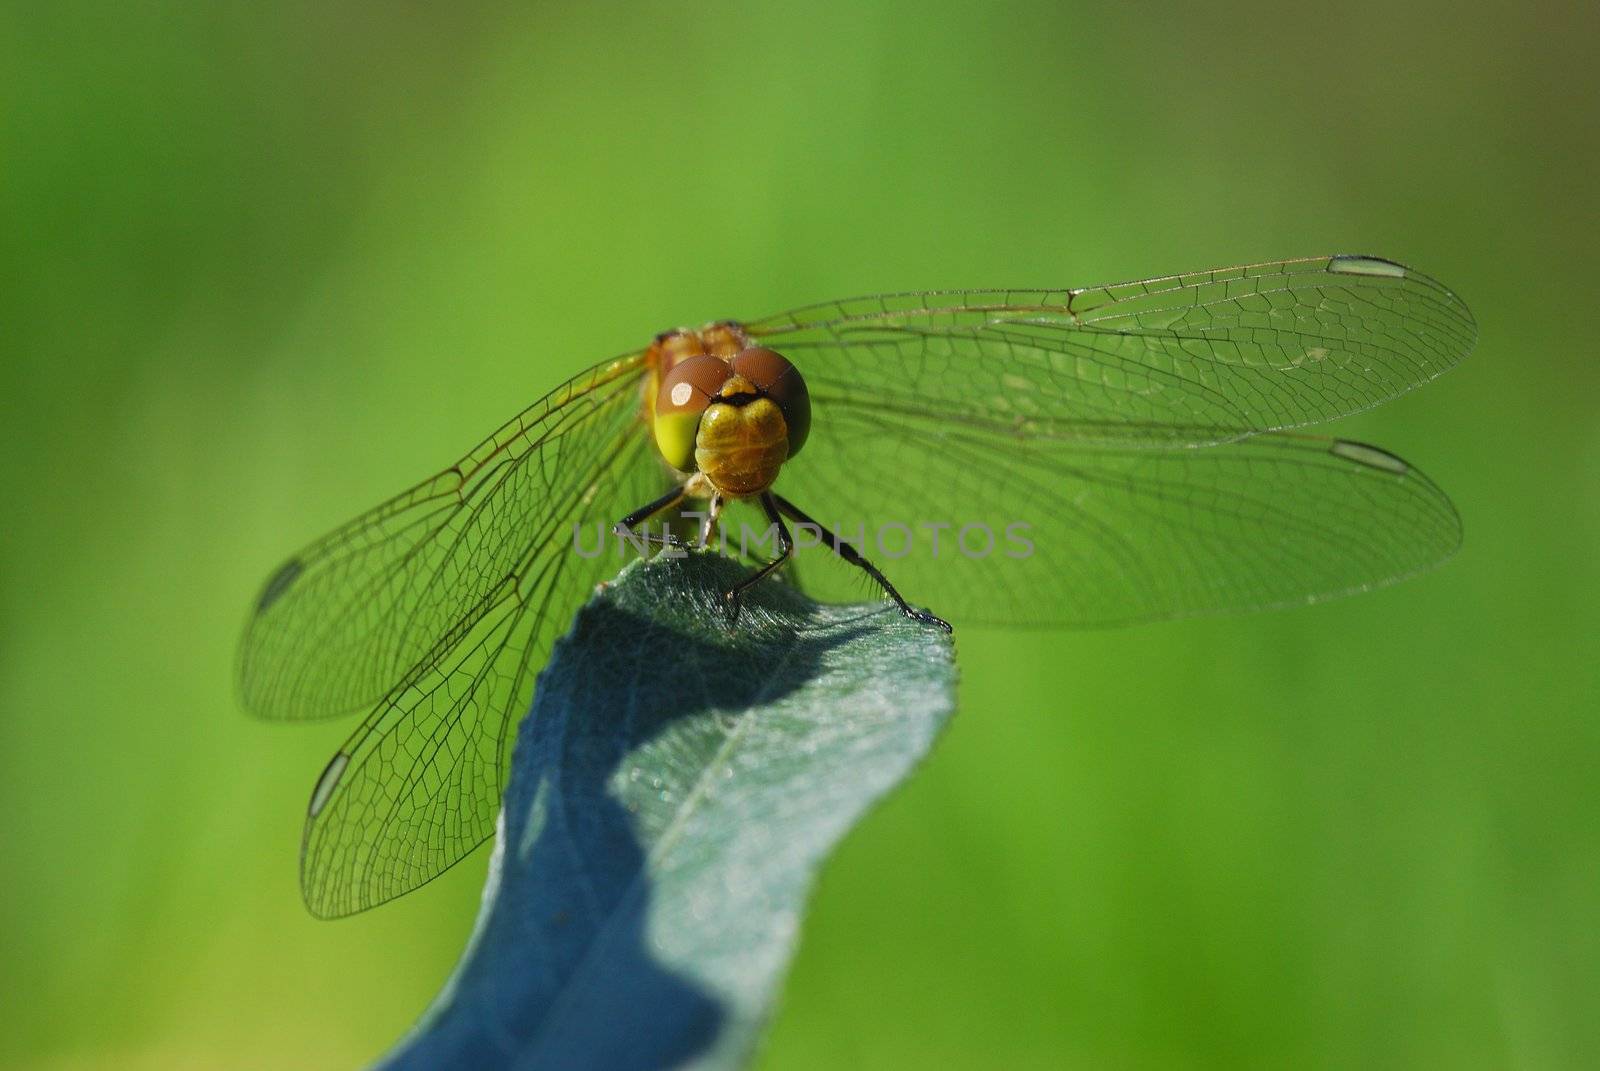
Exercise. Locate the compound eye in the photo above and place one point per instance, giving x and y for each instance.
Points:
(685, 392)
(773, 375)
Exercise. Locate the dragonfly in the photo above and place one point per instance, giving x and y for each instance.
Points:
(1140, 441)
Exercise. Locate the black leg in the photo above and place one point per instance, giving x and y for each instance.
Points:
(785, 548)
(853, 556)
(625, 526)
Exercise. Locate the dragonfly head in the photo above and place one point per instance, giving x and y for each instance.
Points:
(737, 420)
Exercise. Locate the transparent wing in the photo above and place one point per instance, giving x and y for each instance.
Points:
(418, 784)
(1186, 359)
(417, 787)
(1115, 453)
(434, 610)
(1047, 533)
(346, 619)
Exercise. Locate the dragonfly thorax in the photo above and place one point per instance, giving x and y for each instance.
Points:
(734, 420)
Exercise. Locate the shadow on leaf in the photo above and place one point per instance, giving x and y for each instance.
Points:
(634, 730)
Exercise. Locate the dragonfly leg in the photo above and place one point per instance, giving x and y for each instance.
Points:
(708, 527)
(850, 554)
(785, 548)
(625, 526)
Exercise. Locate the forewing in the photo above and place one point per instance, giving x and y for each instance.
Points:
(343, 622)
(1190, 359)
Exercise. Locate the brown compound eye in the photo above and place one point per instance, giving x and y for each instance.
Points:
(773, 375)
(685, 392)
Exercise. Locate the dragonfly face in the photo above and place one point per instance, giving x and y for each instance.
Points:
(1144, 437)
(734, 421)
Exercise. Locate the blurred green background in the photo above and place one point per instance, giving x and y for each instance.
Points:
(264, 265)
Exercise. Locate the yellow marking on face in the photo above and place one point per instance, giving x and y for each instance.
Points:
(675, 437)
(740, 448)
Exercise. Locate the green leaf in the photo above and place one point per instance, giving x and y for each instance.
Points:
(673, 791)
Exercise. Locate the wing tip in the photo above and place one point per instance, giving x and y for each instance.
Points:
(1373, 457)
(1360, 264)
(327, 781)
(279, 583)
